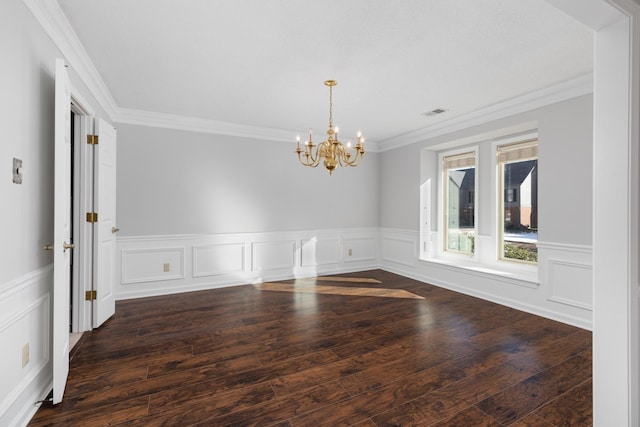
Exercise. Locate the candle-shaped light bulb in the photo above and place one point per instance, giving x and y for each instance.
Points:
(348, 144)
(337, 130)
(359, 134)
(310, 132)
(298, 140)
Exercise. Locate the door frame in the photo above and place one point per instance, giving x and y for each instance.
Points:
(81, 315)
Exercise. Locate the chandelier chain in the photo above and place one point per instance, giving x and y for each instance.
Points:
(330, 107)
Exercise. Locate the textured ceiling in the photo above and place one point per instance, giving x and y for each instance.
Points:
(262, 62)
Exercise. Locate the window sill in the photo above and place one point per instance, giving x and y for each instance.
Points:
(521, 275)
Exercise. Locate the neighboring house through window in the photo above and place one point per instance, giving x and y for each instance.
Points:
(459, 202)
(518, 206)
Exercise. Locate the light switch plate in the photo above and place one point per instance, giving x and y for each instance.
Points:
(17, 171)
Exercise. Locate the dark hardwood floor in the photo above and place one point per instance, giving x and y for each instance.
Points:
(365, 349)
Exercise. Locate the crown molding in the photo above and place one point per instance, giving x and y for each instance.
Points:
(55, 24)
(196, 124)
(57, 27)
(568, 89)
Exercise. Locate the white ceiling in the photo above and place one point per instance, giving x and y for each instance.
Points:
(263, 62)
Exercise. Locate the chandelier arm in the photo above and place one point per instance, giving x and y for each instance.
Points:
(350, 156)
(302, 161)
(355, 159)
(310, 161)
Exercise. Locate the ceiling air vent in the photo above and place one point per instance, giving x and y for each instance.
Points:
(435, 112)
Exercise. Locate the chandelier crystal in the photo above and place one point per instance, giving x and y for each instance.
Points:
(331, 150)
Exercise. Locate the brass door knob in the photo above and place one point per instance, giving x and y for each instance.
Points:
(114, 230)
(48, 247)
(66, 246)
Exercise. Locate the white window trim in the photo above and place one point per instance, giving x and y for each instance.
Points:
(441, 251)
(496, 231)
(499, 206)
(485, 259)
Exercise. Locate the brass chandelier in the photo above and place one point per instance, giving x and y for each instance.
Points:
(331, 150)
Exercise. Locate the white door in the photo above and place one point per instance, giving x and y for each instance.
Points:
(61, 230)
(104, 238)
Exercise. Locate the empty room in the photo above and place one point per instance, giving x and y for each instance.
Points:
(305, 213)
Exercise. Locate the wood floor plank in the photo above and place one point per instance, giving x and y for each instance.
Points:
(445, 402)
(574, 408)
(359, 352)
(278, 410)
(107, 414)
(533, 420)
(178, 394)
(517, 401)
(368, 404)
(172, 380)
(469, 417)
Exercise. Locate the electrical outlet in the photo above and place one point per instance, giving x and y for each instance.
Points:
(166, 267)
(25, 355)
(350, 252)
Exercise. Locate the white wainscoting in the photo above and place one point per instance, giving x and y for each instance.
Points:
(25, 318)
(152, 264)
(210, 261)
(218, 259)
(273, 255)
(399, 247)
(562, 292)
(568, 272)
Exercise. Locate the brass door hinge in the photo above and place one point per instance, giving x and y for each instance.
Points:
(92, 217)
(90, 295)
(92, 139)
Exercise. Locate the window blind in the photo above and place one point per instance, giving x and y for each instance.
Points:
(459, 161)
(520, 151)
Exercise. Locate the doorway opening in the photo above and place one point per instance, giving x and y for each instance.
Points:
(81, 182)
(74, 337)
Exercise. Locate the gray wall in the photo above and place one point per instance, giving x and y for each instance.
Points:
(565, 131)
(26, 211)
(178, 182)
(26, 120)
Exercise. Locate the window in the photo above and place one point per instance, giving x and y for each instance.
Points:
(459, 202)
(518, 208)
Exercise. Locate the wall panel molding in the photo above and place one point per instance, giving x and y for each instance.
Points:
(399, 247)
(273, 255)
(562, 291)
(25, 319)
(358, 249)
(570, 283)
(218, 260)
(148, 264)
(568, 273)
(320, 251)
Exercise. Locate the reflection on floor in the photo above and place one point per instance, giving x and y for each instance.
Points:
(308, 285)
